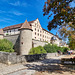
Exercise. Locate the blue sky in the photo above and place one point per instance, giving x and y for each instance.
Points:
(17, 11)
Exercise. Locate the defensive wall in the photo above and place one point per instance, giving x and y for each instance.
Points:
(13, 58)
(15, 39)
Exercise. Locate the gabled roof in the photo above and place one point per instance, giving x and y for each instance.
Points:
(26, 25)
(16, 26)
(1, 32)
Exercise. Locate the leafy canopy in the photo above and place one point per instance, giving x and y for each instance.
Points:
(63, 17)
(62, 12)
(6, 46)
(37, 50)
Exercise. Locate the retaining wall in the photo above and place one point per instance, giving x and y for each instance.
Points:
(13, 58)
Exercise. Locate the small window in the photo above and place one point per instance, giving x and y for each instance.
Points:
(38, 30)
(38, 34)
(35, 33)
(35, 37)
(7, 31)
(35, 29)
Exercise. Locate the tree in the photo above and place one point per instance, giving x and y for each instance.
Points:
(64, 16)
(71, 43)
(37, 50)
(6, 46)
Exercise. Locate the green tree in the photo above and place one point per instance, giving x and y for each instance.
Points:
(71, 43)
(37, 50)
(6, 46)
(63, 16)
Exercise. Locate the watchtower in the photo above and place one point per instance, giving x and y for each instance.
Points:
(25, 38)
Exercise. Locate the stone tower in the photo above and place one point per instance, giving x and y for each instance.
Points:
(25, 38)
(1, 34)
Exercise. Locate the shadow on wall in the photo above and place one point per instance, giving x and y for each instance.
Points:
(30, 58)
(17, 45)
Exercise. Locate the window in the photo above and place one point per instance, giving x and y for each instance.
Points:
(35, 33)
(38, 34)
(38, 30)
(43, 35)
(7, 31)
(35, 29)
(35, 37)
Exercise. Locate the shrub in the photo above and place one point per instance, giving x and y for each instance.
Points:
(54, 48)
(37, 50)
(50, 48)
(6, 46)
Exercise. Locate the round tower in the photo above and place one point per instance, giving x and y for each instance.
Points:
(25, 38)
(1, 34)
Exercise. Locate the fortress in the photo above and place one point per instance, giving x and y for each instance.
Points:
(30, 34)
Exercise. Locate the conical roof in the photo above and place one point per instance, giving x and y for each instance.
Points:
(26, 25)
(1, 32)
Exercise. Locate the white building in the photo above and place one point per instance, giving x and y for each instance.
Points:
(38, 32)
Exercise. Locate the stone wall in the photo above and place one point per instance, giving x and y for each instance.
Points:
(12, 58)
(38, 43)
(15, 39)
(51, 55)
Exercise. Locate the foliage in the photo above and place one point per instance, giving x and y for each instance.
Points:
(63, 16)
(37, 50)
(54, 48)
(71, 43)
(6, 46)
(50, 48)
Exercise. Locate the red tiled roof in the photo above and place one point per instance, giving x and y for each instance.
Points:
(1, 32)
(16, 26)
(13, 26)
(26, 25)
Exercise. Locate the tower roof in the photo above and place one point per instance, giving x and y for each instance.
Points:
(26, 25)
(1, 32)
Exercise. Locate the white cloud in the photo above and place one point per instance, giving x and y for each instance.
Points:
(18, 3)
(15, 13)
(7, 20)
(15, 4)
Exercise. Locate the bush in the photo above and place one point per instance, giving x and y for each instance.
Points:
(37, 50)
(6, 46)
(54, 48)
(50, 48)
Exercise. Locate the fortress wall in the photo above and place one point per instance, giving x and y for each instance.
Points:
(15, 39)
(38, 43)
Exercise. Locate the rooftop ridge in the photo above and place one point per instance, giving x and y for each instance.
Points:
(15, 26)
(26, 25)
